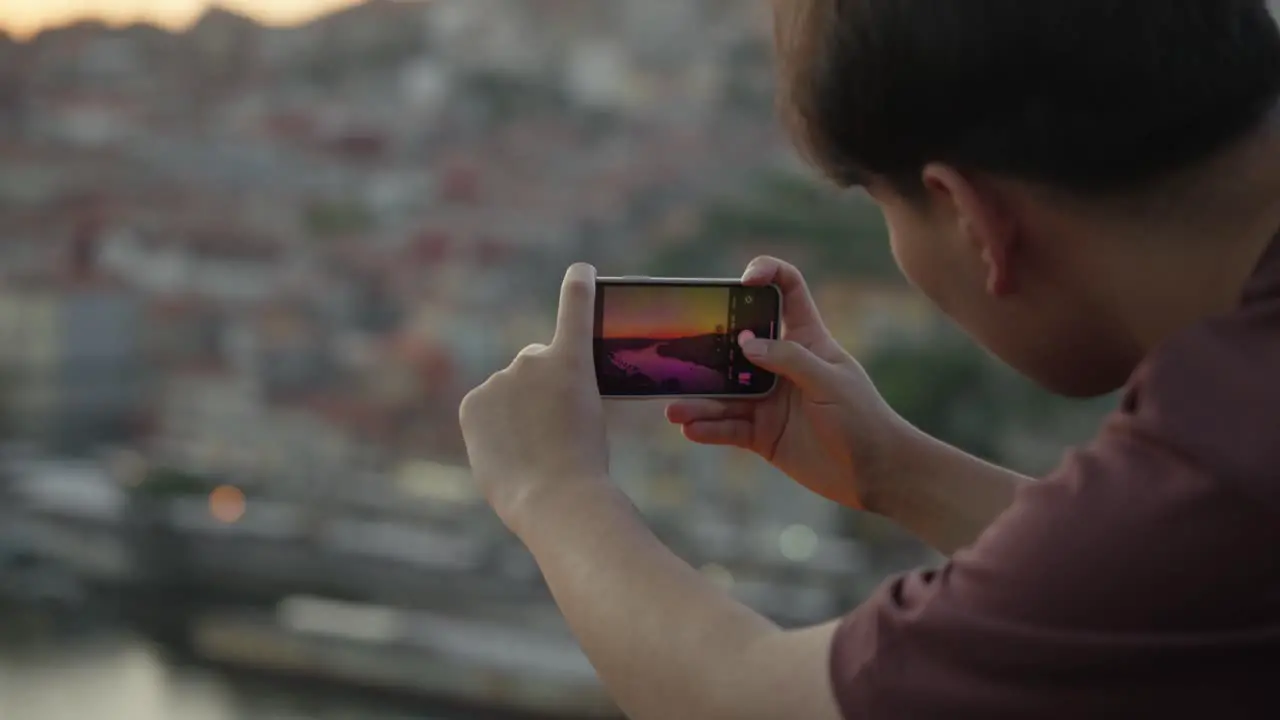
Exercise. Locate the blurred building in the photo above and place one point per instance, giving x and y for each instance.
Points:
(491, 36)
(182, 331)
(222, 264)
(216, 423)
(663, 33)
(311, 241)
(71, 363)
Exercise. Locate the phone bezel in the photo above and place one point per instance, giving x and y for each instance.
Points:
(693, 282)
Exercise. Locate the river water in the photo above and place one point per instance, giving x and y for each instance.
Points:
(659, 368)
(119, 678)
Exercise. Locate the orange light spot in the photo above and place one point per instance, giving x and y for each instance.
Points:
(227, 504)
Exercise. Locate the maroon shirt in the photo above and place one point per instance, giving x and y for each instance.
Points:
(1141, 579)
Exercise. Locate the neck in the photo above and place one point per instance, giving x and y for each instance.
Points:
(1190, 258)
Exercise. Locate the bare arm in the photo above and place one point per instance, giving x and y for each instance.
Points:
(941, 494)
(668, 643)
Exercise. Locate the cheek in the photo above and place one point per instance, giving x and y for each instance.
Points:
(944, 281)
(903, 250)
(922, 265)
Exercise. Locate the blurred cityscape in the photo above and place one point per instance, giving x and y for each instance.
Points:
(247, 273)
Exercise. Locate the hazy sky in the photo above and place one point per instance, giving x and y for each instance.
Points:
(26, 16)
(637, 311)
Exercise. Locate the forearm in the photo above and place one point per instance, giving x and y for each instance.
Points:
(663, 638)
(942, 495)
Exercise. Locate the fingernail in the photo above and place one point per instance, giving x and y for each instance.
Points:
(755, 348)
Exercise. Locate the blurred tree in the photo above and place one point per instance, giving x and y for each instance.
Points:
(336, 218)
(751, 80)
(841, 234)
(504, 97)
(948, 389)
(8, 422)
(164, 482)
(954, 390)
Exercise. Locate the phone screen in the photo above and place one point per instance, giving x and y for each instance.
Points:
(666, 338)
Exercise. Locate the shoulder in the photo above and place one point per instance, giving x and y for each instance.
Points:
(1113, 540)
(1212, 395)
(1096, 573)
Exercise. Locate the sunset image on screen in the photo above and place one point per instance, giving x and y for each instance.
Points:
(664, 313)
(663, 340)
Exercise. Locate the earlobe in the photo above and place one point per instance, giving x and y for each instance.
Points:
(981, 220)
(995, 255)
(992, 253)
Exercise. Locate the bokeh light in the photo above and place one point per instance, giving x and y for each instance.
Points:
(227, 504)
(798, 543)
(718, 575)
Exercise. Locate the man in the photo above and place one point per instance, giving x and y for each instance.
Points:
(1092, 189)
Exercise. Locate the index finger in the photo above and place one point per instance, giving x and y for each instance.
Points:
(575, 323)
(799, 309)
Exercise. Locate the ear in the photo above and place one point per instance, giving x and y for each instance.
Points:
(982, 221)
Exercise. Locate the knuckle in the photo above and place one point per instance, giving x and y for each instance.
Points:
(467, 409)
(789, 273)
(778, 271)
(528, 355)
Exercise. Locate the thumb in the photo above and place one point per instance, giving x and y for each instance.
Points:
(575, 324)
(791, 361)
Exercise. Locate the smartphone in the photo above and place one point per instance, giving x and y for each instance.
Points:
(679, 337)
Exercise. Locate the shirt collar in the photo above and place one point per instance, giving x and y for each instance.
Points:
(1265, 281)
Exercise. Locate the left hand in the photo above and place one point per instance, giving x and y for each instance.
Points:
(537, 427)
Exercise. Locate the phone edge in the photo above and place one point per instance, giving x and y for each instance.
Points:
(638, 280)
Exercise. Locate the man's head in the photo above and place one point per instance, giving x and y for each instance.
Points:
(997, 134)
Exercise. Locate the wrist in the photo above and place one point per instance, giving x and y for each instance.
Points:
(533, 505)
(888, 479)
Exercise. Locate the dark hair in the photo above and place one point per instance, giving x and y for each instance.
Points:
(1089, 96)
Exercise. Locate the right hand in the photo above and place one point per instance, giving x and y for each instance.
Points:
(825, 425)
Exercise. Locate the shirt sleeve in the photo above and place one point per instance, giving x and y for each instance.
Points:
(1099, 594)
